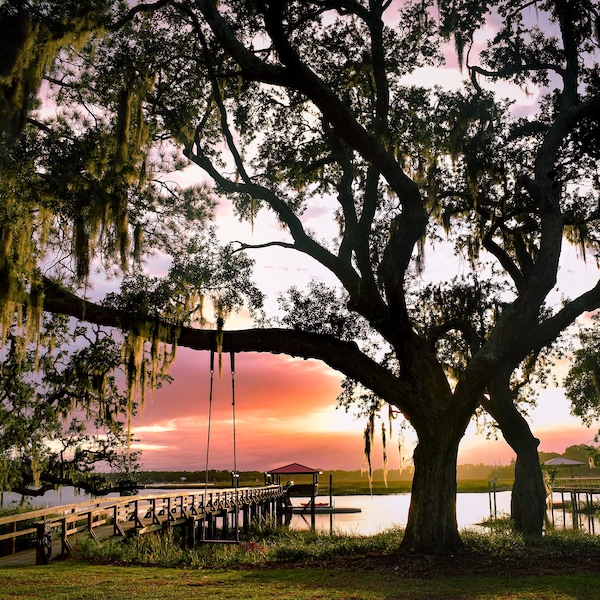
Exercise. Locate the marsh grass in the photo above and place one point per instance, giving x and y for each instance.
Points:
(268, 545)
(361, 487)
(265, 544)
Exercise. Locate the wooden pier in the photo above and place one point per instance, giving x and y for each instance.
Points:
(577, 488)
(215, 515)
(581, 495)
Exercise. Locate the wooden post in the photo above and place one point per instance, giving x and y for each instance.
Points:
(313, 517)
(191, 532)
(211, 526)
(65, 546)
(574, 508)
(225, 528)
(330, 503)
(246, 518)
(91, 526)
(43, 554)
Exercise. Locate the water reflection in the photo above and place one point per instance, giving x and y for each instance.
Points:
(561, 515)
(378, 513)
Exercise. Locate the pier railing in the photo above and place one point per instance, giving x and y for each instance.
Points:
(142, 513)
(568, 484)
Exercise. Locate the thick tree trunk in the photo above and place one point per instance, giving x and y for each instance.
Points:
(528, 502)
(432, 526)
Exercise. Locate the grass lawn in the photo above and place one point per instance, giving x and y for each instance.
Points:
(75, 580)
(277, 563)
(351, 488)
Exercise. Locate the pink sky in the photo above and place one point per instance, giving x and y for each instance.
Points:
(285, 408)
(285, 412)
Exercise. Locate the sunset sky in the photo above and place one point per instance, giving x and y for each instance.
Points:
(285, 408)
(285, 412)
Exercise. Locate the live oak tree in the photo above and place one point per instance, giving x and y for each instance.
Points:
(582, 383)
(291, 106)
(62, 414)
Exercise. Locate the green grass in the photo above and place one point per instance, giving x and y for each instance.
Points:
(278, 563)
(361, 487)
(268, 545)
(72, 580)
(265, 545)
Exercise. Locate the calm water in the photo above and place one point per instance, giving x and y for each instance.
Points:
(378, 513)
(382, 512)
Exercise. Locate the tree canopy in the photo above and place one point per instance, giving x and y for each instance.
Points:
(62, 415)
(583, 380)
(289, 107)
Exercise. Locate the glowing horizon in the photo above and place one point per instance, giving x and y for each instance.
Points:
(286, 412)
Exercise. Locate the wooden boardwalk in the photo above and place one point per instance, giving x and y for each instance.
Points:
(579, 491)
(35, 537)
(577, 484)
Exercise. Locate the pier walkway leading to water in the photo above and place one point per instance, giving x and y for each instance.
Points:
(578, 493)
(576, 487)
(37, 536)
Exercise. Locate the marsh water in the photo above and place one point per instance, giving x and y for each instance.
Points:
(377, 513)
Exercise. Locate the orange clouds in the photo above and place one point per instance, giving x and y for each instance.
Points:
(280, 407)
(285, 412)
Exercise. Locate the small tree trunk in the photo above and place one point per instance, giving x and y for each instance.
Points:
(432, 526)
(528, 501)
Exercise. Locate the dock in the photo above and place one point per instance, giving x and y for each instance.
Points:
(215, 515)
(581, 496)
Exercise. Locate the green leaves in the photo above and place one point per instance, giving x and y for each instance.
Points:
(582, 383)
(321, 309)
(63, 419)
(203, 271)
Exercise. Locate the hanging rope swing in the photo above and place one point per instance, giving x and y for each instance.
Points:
(234, 472)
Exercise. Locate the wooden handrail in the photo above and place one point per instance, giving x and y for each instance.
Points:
(173, 506)
(577, 483)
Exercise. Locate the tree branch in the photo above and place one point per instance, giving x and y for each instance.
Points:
(551, 328)
(296, 75)
(245, 246)
(344, 357)
(140, 8)
(504, 259)
(302, 242)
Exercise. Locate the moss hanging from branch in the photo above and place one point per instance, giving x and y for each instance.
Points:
(21, 295)
(116, 166)
(29, 48)
(384, 454)
(147, 356)
(369, 437)
(31, 44)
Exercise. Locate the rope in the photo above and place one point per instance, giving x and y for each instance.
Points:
(210, 400)
(235, 471)
(232, 360)
(210, 403)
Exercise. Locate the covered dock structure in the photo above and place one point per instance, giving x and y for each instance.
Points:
(298, 490)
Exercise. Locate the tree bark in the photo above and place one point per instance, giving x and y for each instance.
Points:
(432, 526)
(528, 502)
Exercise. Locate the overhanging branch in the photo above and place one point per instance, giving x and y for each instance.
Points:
(344, 357)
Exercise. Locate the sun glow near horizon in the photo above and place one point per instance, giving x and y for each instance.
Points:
(286, 407)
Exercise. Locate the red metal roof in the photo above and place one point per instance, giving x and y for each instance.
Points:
(293, 469)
